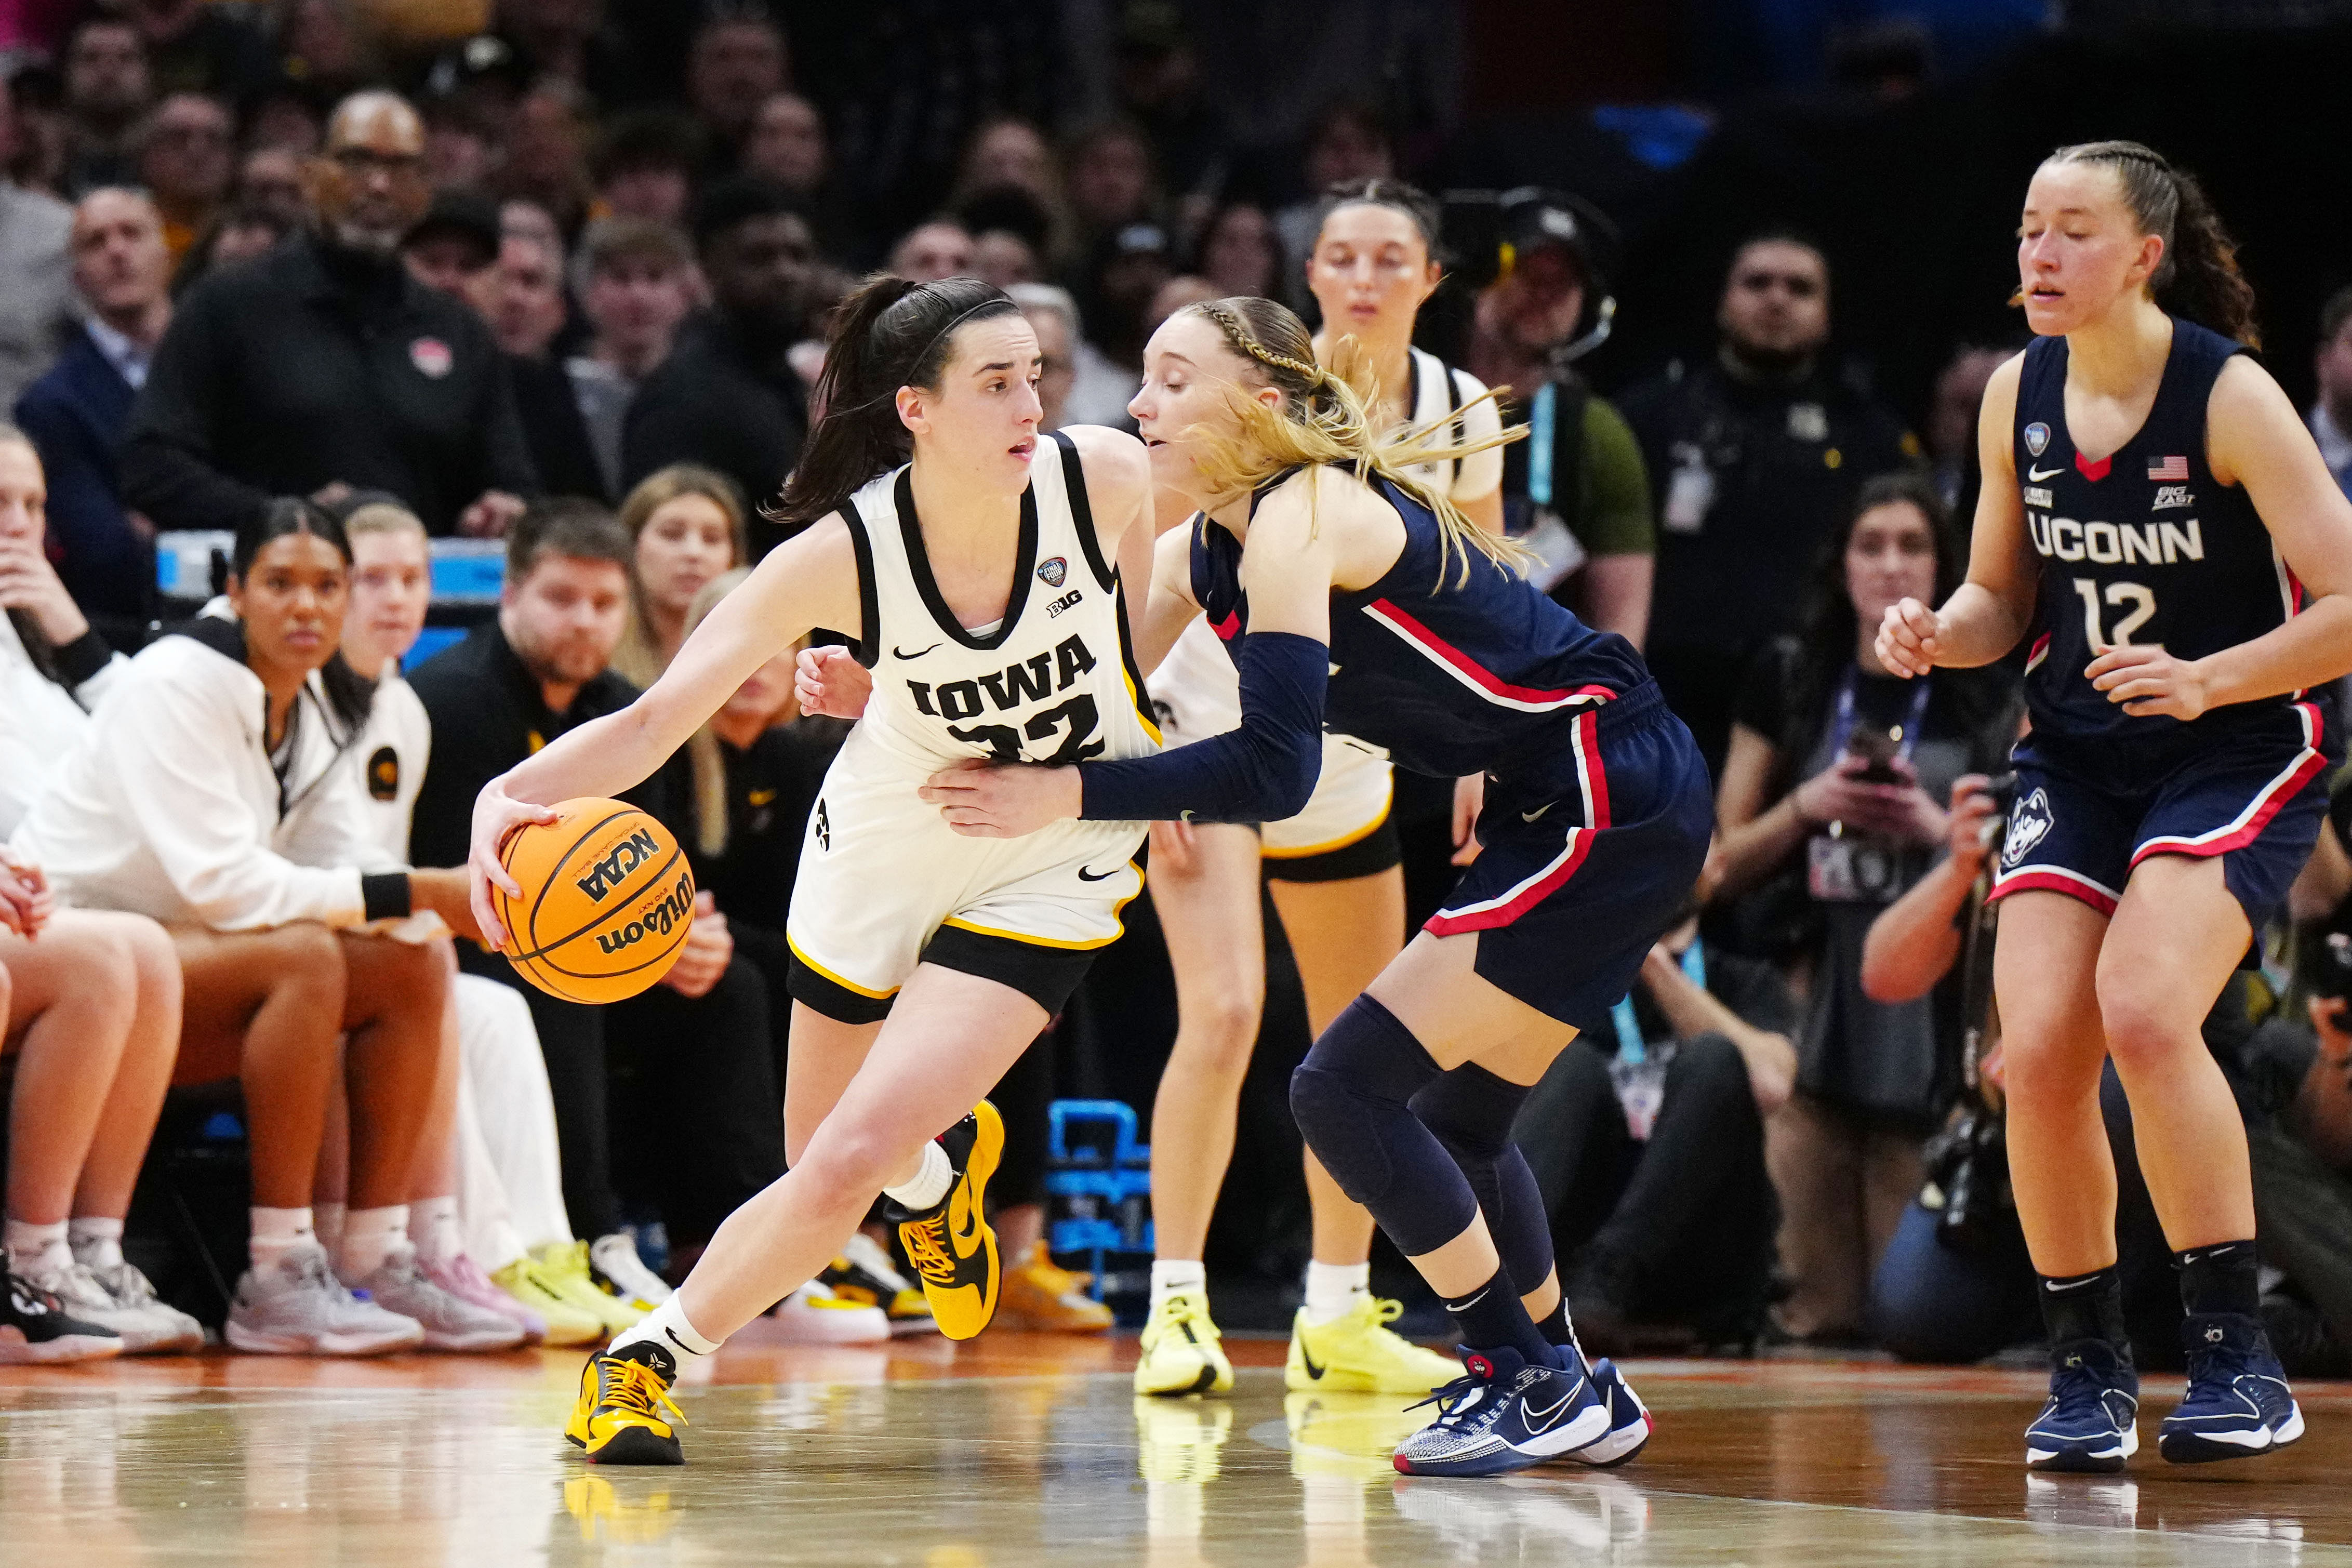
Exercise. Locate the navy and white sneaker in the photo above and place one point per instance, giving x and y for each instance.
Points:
(1503, 1414)
(2091, 1423)
(1630, 1422)
(2238, 1404)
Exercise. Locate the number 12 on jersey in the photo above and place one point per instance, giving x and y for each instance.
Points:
(2141, 599)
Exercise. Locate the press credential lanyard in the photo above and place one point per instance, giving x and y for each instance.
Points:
(1630, 1050)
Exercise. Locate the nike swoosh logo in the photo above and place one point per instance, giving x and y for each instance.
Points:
(1540, 1421)
(902, 653)
(1531, 815)
(1087, 876)
(2038, 475)
(1312, 1370)
(1471, 1302)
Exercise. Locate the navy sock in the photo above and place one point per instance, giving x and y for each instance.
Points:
(2223, 1279)
(1472, 1111)
(1553, 1325)
(1492, 1316)
(2085, 1306)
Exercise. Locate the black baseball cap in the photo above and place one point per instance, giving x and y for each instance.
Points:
(1534, 217)
(460, 214)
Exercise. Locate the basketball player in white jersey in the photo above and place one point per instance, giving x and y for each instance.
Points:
(1335, 869)
(977, 564)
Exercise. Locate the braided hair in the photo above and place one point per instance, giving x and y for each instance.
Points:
(1322, 420)
(2199, 277)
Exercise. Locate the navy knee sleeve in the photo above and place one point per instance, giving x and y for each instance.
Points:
(1470, 1111)
(1352, 1096)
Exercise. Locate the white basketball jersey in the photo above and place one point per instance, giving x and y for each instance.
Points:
(1436, 390)
(1054, 681)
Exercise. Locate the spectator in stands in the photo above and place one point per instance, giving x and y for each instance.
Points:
(2331, 411)
(1008, 152)
(787, 144)
(685, 529)
(37, 299)
(704, 1131)
(727, 396)
(106, 92)
(1831, 805)
(1951, 430)
(932, 252)
(1648, 1144)
(170, 806)
(1078, 384)
(1240, 254)
(453, 245)
(1010, 232)
(638, 285)
(1583, 505)
(1754, 461)
(1347, 143)
(325, 364)
(322, 46)
(185, 154)
(270, 179)
(545, 159)
(39, 131)
(196, 46)
(1127, 269)
(644, 167)
(1002, 257)
(76, 412)
(526, 308)
(240, 233)
(1111, 182)
(458, 144)
(737, 62)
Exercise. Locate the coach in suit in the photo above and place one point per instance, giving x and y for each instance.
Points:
(77, 412)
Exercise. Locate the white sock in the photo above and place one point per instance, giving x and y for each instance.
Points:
(36, 1249)
(370, 1235)
(276, 1232)
(928, 1184)
(1334, 1288)
(666, 1326)
(1171, 1275)
(96, 1241)
(327, 1221)
(434, 1228)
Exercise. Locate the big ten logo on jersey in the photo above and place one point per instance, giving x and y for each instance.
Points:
(613, 870)
(1062, 733)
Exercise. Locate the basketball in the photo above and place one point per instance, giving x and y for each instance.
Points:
(607, 896)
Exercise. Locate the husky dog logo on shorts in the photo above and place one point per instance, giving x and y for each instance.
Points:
(2028, 823)
(1051, 573)
(2037, 436)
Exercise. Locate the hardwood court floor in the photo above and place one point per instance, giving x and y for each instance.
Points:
(1022, 1451)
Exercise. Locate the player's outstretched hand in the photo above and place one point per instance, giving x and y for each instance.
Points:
(1906, 638)
(496, 815)
(828, 680)
(984, 800)
(2147, 679)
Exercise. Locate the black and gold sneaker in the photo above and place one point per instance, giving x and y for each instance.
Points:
(625, 1415)
(951, 1244)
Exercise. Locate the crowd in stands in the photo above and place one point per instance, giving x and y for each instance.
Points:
(333, 293)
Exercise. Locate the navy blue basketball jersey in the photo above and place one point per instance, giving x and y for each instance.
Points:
(1451, 677)
(2140, 547)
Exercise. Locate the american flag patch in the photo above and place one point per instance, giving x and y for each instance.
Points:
(2160, 468)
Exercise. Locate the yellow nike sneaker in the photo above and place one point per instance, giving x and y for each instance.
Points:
(1180, 1352)
(951, 1244)
(603, 1514)
(1180, 1445)
(1348, 1434)
(625, 1415)
(1358, 1352)
(528, 1282)
(565, 1267)
(1041, 1297)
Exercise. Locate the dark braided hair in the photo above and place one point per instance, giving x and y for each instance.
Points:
(2198, 277)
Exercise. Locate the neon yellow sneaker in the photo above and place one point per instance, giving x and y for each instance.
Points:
(1348, 1434)
(567, 1324)
(1358, 1352)
(625, 1415)
(564, 1266)
(1180, 1445)
(603, 1514)
(951, 1244)
(1180, 1352)
(1039, 1296)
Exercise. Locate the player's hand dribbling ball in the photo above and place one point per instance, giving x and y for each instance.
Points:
(607, 899)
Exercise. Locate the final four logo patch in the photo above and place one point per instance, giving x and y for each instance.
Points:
(2037, 436)
(1051, 573)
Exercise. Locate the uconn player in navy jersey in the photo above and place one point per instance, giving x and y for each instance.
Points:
(2156, 521)
(1350, 595)
(979, 566)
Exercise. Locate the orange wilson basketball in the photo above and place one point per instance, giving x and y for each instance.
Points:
(606, 901)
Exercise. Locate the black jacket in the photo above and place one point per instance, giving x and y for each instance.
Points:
(724, 403)
(554, 430)
(314, 364)
(488, 714)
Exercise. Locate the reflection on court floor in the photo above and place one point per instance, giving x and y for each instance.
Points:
(1025, 1451)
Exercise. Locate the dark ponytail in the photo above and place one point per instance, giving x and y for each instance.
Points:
(2198, 277)
(888, 334)
(349, 693)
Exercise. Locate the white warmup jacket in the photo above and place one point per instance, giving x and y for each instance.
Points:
(167, 804)
(41, 721)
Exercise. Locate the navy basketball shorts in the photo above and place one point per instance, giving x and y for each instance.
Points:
(1586, 860)
(2088, 812)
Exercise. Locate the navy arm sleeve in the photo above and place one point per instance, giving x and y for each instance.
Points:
(1263, 772)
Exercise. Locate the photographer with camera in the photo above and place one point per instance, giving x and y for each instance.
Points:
(1829, 811)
